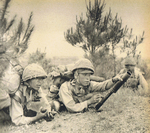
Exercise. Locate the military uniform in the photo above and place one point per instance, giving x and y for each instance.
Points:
(26, 102)
(78, 93)
(25, 105)
(136, 79)
(53, 89)
(75, 98)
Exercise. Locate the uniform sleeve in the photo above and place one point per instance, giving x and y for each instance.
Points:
(101, 86)
(44, 101)
(43, 95)
(142, 82)
(16, 112)
(122, 71)
(67, 99)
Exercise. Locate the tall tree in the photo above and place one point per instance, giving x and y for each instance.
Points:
(97, 30)
(13, 40)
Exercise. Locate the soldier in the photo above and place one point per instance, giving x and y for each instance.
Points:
(136, 80)
(78, 94)
(29, 103)
(57, 80)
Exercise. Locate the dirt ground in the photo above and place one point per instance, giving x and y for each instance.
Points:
(124, 112)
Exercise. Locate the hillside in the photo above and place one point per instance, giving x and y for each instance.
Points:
(125, 111)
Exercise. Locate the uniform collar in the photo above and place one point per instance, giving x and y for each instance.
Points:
(29, 94)
(77, 86)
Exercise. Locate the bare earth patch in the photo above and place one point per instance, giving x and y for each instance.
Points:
(124, 112)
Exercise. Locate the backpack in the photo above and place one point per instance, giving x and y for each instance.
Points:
(9, 84)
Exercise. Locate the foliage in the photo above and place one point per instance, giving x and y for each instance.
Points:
(40, 58)
(14, 40)
(130, 46)
(105, 67)
(144, 67)
(97, 57)
(95, 31)
(99, 32)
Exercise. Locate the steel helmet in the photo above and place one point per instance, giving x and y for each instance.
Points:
(33, 71)
(129, 61)
(62, 68)
(83, 64)
(54, 74)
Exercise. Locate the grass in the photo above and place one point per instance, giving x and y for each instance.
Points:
(125, 111)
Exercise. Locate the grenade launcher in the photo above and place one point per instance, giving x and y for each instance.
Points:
(114, 89)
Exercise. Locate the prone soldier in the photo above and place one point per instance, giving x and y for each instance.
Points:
(58, 78)
(79, 93)
(136, 80)
(29, 103)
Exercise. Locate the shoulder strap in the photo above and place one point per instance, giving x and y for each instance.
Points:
(70, 88)
(14, 96)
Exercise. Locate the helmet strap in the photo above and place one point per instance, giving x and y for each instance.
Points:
(29, 87)
(77, 77)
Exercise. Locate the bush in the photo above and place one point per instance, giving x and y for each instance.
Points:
(105, 68)
(40, 58)
(143, 65)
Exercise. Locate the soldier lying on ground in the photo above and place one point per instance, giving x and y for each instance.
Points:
(58, 78)
(136, 80)
(78, 94)
(29, 103)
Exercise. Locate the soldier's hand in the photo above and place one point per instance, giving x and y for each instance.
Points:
(54, 89)
(117, 78)
(53, 112)
(40, 114)
(50, 114)
(96, 98)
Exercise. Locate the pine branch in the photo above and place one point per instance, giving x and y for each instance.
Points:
(10, 23)
(28, 25)
(5, 6)
(20, 30)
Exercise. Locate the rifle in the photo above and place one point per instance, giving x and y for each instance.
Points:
(114, 89)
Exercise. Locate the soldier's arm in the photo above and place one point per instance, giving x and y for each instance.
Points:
(143, 82)
(96, 78)
(68, 101)
(105, 85)
(16, 113)
(87, 96)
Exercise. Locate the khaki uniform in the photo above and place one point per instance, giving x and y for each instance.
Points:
(136, 79)
(75, 98)
(24, 105)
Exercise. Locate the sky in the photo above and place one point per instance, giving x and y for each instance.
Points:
(52, 18)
